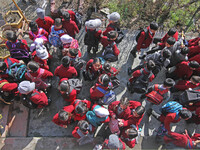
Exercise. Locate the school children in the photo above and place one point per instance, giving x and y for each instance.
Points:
(93, 35)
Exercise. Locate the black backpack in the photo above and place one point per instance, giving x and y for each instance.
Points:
(90, 38)
(78, 19)
(189, 96)
(27, 102)
(17, 71)
(139, 33)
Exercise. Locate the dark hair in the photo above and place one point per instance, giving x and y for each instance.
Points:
(185, 114)
(112, 34)
(153, 26)
(66, 15)
(132, 133)
(171, 31)
(60, 12)
(151, 65)
(196, 79)
(80, 108)
(105, 79)
(3, 65)
(194, 64)
(33, 66)
(124, 101)
(171, 41)
(11, 36)
(140, 110)
(63, 115)
(58, 22)
(166, 53)
(33, 26)
(83, 125)
(184, 50)
(96, 60)
(65, 61)
(107, 67)
(64, 86)
(73, 52)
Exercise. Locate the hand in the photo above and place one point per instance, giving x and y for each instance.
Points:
(64, 126)
(121, 124)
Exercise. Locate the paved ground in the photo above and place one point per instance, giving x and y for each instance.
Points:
(39, 122)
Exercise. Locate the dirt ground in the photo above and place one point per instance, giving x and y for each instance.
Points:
(40, 124)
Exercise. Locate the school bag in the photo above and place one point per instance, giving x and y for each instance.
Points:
(139, 33)
(109, 96)
(171, 107)
(141, 83)
(77, 63)
(17, 71)
(25, 99)
(84, 139)
(108, 53)
(189, 96)
(156, 96)
(90, 38)
(113, 125)
(119, 31)
(54, 37)
(75, 84)
(78, 19)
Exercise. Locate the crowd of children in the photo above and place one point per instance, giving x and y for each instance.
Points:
(25, 75)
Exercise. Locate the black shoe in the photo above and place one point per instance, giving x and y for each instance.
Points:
(130, 71)
(142, 57)
(85, 76)
(133, 54)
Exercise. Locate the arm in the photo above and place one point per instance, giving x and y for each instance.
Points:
(116, 50)
(140, 40)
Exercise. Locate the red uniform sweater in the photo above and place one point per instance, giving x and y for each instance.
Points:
(182, 85)
(33, 35)
(95, 94)
(126, 139)
(164, 39)
(40, 99)
(61, 123)
(187, 73)
(71, 27)
(193, 42)
(45, 75)
(90, 68)
(42, 62)
(63, 72)
(45, 24)
(108, 29)
(8, 87)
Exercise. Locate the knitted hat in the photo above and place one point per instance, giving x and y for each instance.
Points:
(107, 67)
(41, 52)
(73, 51)
(40, 13)
(101, 112)
(171, 41)
(115, 16)
(83, 125)
(64, 86)
(39, 41)
(26, 87)
(196, 79)
(65, 61)
(151, 65)
(194, 64)
(63, 115)
(33, 66)
(66, 15)
(66, 39)
(169, 82)
(58, 22)
(113, 142)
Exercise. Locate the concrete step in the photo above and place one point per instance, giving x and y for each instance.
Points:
(4, 111)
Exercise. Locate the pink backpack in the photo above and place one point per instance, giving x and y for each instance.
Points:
(113, 125)
(39, 35)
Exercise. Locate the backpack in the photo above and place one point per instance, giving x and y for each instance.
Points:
(76, 84)
(113, 125)
(189, 96)
(77, 63)
(139, 33)
(171, 107)
(119, 31)
(17, 71)
(156, 96)
(39, 35)
(90, 38)
(109, 96)
(108, 49)
(141, 83)
(27, 102)
(84, 139)
(78, 19)
(54, 37)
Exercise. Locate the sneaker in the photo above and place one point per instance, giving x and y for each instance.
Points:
(142, 57)
(129, 71)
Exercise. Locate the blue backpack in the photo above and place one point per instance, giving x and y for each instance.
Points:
(171, 107)
(17, 71)
(54, 37)
(109, 96)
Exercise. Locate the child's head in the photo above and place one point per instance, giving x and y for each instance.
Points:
(138, 111)
(40, 13)
(58, 23)
(113, 142)
(195, 79)
(63, 115)
(185, 114)
(26, 87)
(96, 63)
(153, 27)
(113, 17)
(112, 35)
(104, 79)
(33, 66)
(73, 52)
(165, 53)
(184, 50)
(81, 108)
(83, 125)
(11, 36)
(170, 42)
(107, 67)
(193, 65)
(64, 87)
(66, 16)
(124, 102)
(65, 61)
(131, 133)
(150, 65)
(93, 24)
(168, 83)
(171, 31)
(41, 52)
(33, 26)
(3, 66)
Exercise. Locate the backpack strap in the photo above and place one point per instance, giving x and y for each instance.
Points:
(9, 62)
(101, 90)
